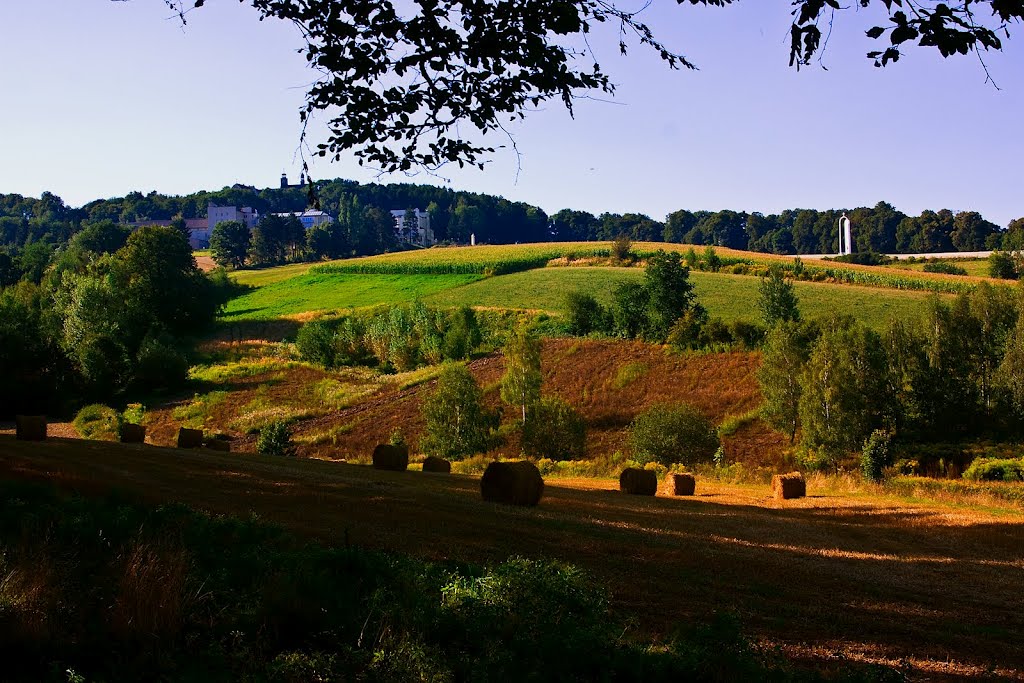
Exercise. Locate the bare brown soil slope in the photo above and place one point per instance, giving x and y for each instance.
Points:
(866, 576)
(608, 381)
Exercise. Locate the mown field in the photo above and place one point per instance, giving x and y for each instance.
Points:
(848, 572)
(730, 297)
(332, 292)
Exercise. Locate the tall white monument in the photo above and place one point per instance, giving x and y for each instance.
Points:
(845, 236)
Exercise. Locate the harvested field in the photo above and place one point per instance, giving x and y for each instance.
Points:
(864, 576)
(583, 373)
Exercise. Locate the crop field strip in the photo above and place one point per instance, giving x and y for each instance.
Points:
(865, 575)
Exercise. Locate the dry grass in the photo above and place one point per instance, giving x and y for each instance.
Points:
(848, 570)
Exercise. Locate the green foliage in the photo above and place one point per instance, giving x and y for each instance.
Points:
(1003, 265)
(554, 430)
(995, 469)
(520, 385)
(135, 413)
(943, 267)
(669, 291)
(585, 315)
(397, 438)
(98, 421)
(457, 424)
(786, 350)
(777, 299)
(315, 342)
(876, 454)
(672, 433)
(229, 243)
(276, 439)
(401, 337)
(622, 248)
(159, 366)
(844, 391)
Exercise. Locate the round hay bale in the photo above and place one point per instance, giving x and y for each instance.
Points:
(435, 464)
(218, 444)
(30, 427)
(638, 482)
(393, 458)
(786, 486)
(190, 438)
(512, 483)
(132, 433)
(677, 484)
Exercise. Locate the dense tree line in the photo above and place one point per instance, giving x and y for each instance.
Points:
(956, 373)
(31, 229)
(106, 315)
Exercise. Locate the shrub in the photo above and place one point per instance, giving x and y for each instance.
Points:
(750, 335)
(943, 267)
(555, 430)
(622, 248)
(159, 365)
(672, 433)
(995, 469)
(97, 421)
(315, 342)
(134, 413)
(1001, 264)
(276, 439)
(457, 424)
(876, 454)
(585, 315)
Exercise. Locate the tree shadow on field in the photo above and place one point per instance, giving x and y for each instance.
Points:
(889, 579)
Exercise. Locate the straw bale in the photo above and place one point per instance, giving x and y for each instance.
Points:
(638, 482)
(133, 433)
(677, 484)
(512, 483)
(393, 458)
(217, 444)
(190, 438)
(435, 464)
(31, 427)
(786, 486)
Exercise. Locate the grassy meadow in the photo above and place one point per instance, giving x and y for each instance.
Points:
(309, 292)
(730, 297)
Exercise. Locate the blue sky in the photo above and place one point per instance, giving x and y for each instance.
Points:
(101, 98)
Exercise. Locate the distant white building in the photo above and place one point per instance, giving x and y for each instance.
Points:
(310, 217)
(418, 232)
(247, 216)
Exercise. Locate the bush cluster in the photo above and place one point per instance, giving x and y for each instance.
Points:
(400, 337)
(275, 439)
(554, 430)
(943, 267)
(98, 421)
(995, 469)
(670, 434)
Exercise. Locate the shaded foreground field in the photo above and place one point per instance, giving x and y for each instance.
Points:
(863, 575)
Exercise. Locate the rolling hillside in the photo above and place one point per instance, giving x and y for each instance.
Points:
(515, 277)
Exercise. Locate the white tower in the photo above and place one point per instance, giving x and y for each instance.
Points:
(845, 236)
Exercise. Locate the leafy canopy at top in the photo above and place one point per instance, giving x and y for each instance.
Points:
(403, 82)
